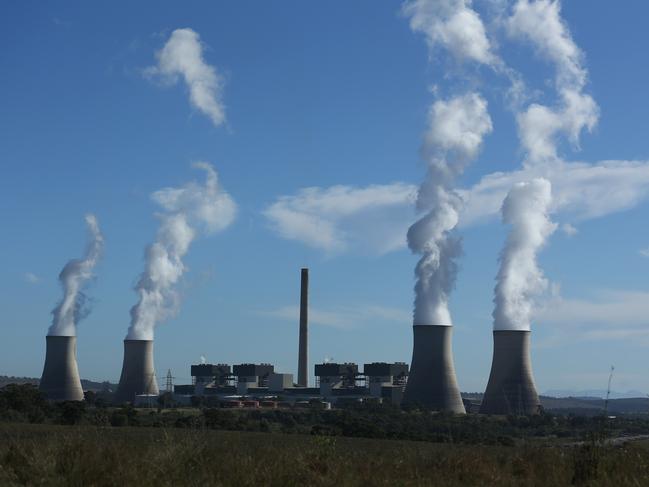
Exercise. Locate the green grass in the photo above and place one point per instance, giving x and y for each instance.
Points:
(91, 456)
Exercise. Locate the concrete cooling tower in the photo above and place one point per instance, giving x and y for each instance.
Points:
(138, 373)
(511, 388)
(432, 382)
(60, 380)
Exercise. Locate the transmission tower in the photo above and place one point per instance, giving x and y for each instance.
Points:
(170, 381)
(608, 391)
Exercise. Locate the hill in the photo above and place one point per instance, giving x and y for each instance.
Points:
(87, 385)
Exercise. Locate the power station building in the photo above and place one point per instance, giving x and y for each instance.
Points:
(430, 380)
(336, 383)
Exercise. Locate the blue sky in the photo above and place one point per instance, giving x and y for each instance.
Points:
(315, 96)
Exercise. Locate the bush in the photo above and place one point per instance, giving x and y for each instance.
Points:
(72, 412)
(118, 418)
(23, 402)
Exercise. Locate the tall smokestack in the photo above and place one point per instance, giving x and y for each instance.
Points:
(303, 359)
(138, 373)
(511, 388)
(432, 382)
(60, 380)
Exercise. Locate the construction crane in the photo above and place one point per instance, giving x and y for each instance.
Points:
(608, 391)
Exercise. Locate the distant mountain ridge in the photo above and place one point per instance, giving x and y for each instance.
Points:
(594, 394)
(87, 385)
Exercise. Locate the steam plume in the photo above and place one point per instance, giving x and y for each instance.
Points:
(453, 25)
(519, 278)
(540, 24)
(189, 210)
(74, 275)
(454, 138)
(182, 56)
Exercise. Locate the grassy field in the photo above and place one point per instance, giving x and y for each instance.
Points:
(87, 456)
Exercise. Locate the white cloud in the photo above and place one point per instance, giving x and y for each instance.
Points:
(453, 25)
(31, 278)
(569, 229)
(644, 252)
(343, 317)
(608, 314)
(182, 55)
(374, 218)
(582, 191)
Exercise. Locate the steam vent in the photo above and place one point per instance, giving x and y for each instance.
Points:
(511, 388)
(432, 382)
(138, 373)
(60, 380)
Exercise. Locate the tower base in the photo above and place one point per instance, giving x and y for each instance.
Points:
(60, 380)
(432, 382)
(511, 388)
(138, 374)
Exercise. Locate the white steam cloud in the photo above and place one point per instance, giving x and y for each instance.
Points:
(190, 210)
(182, 55)
(519, 279)
(540, 23)
(528, 204)
(452, 25)
(456, 130)
(72, 308)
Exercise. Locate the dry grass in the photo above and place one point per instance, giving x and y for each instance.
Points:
(90, 456)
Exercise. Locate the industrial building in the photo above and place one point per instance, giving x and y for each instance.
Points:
(336, 383)
(430, 381)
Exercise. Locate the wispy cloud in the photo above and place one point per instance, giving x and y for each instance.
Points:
(569, 229)
(339, 218)
(644, 252)
(606, 315)
(375, 218)
(31, 278)
(60, 22)
(343, 317)
(581, 191)
(182, 56)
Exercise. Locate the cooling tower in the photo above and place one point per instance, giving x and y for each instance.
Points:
(432, 382)
(303, 355)
(138, 373)
(511, 387)
(60, 380)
